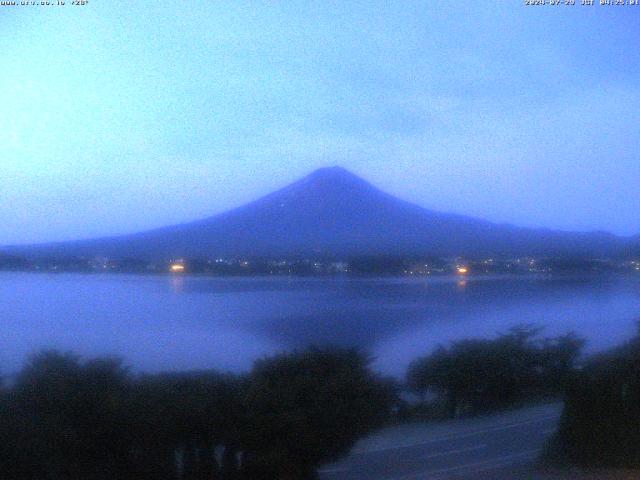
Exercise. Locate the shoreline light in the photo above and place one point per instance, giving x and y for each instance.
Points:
(176, 268)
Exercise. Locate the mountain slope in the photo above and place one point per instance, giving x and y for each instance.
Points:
(334, 212)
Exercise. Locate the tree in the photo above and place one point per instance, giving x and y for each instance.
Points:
(600, 425)
(67, 420)
(70, 419)
(484, 375)
(308, 408)
(558, 359)
(191, 413)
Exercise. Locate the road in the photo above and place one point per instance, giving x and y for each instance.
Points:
(502, 446)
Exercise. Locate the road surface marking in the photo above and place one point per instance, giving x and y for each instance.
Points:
(334, 470)
(459, 450)
(456, 436)
(499, 462)
(486, 464)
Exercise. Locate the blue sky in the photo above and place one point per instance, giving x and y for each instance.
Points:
(121, 116)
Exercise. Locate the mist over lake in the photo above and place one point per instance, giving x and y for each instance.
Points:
(181, 322)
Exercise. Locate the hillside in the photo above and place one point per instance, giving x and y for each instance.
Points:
(333, 212)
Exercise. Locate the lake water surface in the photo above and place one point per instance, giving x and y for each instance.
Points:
(173, 323)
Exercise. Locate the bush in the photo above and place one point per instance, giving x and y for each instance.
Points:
(308, 408)
(474, 376)
(600, 425)
(68, 419)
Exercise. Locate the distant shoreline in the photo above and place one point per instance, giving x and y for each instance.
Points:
(443, 277)
(322, 266)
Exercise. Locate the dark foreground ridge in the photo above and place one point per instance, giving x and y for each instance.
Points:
(334, 213)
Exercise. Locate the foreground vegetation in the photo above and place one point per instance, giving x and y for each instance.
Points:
(600, 426)
(64, 418)
(73, 420)
(480, 376)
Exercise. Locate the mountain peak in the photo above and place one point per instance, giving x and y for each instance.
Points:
(334, 176)
(333, 171)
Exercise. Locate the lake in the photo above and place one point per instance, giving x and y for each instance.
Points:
(180, 322)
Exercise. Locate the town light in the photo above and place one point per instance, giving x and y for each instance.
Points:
(176, 268)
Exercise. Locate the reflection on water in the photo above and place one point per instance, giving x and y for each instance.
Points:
(177, 283)
(181, 322)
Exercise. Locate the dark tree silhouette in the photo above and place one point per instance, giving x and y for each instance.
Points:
(67, 420)
(186, 415)
(308, 408)
(600, 425)
(475, 376)
(558, 359)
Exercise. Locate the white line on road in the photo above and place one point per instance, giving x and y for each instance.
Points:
(458, 450)
(334, 470)
(456, 436)
(483, 465)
